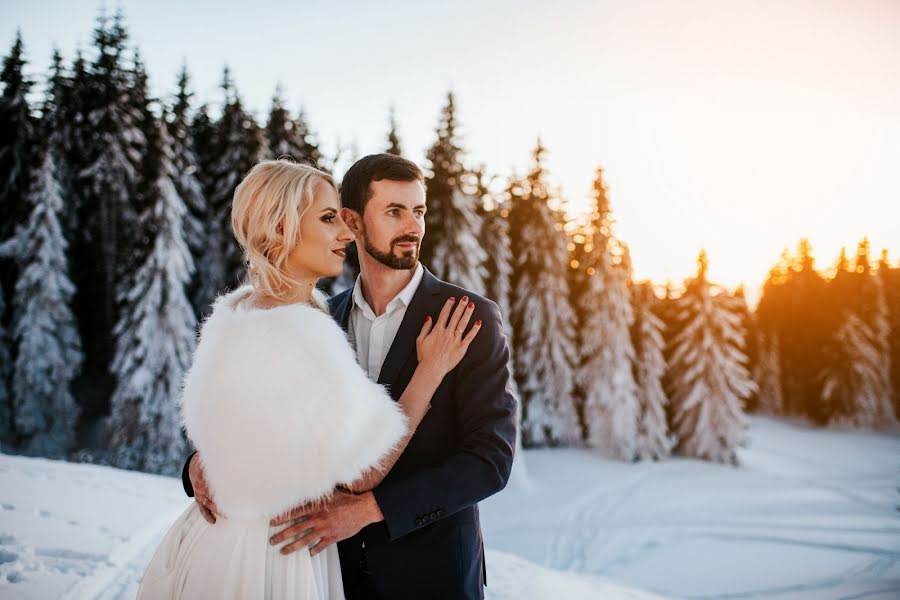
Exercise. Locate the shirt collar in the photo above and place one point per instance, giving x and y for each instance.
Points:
(404, 297)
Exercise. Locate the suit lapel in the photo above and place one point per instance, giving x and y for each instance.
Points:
(404, 344)
(342, 310)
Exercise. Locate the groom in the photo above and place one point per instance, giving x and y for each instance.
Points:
(417, 535)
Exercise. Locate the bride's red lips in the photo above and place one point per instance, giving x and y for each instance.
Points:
(342, 252)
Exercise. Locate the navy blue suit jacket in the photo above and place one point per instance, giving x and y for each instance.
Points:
(430, 544)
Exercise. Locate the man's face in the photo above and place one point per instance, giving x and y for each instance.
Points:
(393, 223)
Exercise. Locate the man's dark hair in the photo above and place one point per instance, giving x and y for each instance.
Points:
(355, 190)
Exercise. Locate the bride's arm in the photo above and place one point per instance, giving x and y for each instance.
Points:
(439, 350)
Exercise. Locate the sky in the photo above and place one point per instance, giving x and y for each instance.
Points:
(738, 127)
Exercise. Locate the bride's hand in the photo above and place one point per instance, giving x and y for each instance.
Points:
(442, 344)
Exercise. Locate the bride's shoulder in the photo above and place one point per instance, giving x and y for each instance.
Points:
(293, 323)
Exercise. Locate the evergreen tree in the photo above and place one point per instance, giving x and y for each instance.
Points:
(287, 136)
(393, 138)
(499, 266)
(604, 368)
(795, 306)
(237, 148)
(891, 281)
(543, 321)
(57, 122)
(110, 96)
(708, 380)
(452, 247)
(459, 257)
(856, 388)
(445, 177)
(6, 426)
(155, 332)
(49, 346)
(653, 439)
(17, 138)
(770, 399)
(186, 166)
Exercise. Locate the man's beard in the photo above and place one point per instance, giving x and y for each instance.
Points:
(406, 261)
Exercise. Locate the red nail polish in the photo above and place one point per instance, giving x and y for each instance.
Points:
(453, 299)
(478, 323)
(471, 305)
(427, 319)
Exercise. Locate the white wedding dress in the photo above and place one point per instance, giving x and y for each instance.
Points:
(281, 413)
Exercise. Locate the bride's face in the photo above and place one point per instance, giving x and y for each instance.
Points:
(324, 236)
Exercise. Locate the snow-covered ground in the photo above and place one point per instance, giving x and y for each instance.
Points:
(809, 514)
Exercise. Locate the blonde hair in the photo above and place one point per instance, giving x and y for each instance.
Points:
(265, 218)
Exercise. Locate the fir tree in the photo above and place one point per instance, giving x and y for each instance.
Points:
(856, 388)
(6, 426)
(499, 266)
(543, 321)
(452, 247)
(891, 281)
(155, 332)
(17, 137)
(770, 399)
(237, 148)
(49, 346)
(393, 138)
(708, 380)
(653, 439)
(57, 121)
(604, 369)
(795, 306)
(186, 166)
(110, 98)
(287, 136)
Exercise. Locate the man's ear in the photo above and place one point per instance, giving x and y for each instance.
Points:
(353, 221)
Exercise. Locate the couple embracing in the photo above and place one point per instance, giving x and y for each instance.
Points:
(320, 472)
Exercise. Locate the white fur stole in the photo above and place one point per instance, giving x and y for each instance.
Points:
(279, 408)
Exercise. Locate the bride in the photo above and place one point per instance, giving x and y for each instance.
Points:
(277, 405)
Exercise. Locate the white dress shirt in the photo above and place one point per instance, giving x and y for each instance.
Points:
(373, 335)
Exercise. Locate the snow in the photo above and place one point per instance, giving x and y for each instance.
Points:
(810, 514)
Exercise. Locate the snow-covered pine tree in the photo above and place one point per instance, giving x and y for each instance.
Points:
(451, 247)
(856, 373)
(495, 240)
(891, 279)
(875, 311)
(750, 325)
(49, 346)
(17, 138)
(286, 136)
(770, 399)
(155, 332)
(850, 389)
(57, 120)
(708, 379)
(543, 321)
(237, 148)
(604, 368)
(6, 427)
(186, 166)
(110, 97)
(393, 138)
(653, 438)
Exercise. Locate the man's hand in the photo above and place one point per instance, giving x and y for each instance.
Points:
(202, 496)
(318, 527)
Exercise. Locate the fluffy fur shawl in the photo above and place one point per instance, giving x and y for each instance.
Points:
(279, 408)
